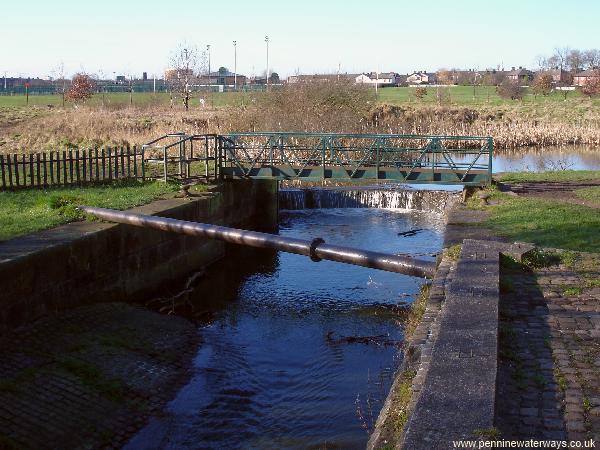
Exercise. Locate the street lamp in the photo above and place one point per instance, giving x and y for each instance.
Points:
(267, 42)
(235, 65)
(208, 50)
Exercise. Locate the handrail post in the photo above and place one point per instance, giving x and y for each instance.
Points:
(490, 158)
(220, 149)
(165, 163)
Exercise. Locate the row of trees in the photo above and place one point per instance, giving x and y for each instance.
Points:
(572, 60)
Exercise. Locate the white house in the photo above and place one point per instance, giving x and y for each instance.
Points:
(421, 78)
(377, 78)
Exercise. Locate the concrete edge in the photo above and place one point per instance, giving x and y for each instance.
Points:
(417, 351)
(459, 390)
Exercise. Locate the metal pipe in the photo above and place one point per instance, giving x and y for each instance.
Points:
(316, 249)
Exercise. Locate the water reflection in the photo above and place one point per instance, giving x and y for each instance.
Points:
(540, 159)
(278, 366)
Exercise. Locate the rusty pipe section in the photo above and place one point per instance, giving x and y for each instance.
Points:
(316, 249)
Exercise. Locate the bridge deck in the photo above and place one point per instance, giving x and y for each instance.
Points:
(402, 174)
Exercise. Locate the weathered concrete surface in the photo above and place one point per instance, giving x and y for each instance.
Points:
(458, 394)
(91, 376)
(463, 223)
(417, 357)
(89, 262)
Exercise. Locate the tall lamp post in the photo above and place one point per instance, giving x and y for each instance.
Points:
(267, 42)
(235, 65)
(208, 51)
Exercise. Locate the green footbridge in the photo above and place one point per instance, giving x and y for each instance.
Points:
(465, 160)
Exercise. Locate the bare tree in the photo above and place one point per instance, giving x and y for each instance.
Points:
(542, 62)
(59, 77)
(559, 58)
(511, 89)
(575, 60)
(186, 63)
(591, 58)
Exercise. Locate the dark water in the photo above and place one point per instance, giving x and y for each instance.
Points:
(275, 369)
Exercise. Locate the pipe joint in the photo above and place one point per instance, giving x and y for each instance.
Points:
(313, 248)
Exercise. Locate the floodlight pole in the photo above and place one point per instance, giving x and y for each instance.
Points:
(208, 50)
(235, 65)
(267, 42)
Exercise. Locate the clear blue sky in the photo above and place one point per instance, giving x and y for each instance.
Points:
(129, 37)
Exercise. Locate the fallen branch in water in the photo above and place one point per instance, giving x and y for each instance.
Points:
(379, 340)
(168, 305)
(410, 232)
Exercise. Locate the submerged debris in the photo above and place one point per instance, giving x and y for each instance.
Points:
(379, 340)
(410, 232)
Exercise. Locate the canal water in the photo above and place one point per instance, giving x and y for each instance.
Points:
(540, 159)
(297, 354)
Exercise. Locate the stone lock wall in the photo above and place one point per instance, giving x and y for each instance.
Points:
(88, 262)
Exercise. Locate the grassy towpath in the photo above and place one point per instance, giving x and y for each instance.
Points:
(29, 210)
(552, 209)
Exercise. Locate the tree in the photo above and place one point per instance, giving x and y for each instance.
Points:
(59, 77)
(82, 88)
(591, 58)
(575, 61)
(420, 92)
(542, 84)
(559, 58)
(223, 70)
(591, 88)
(510, 89)
(445, 76)
(274, 78)
(186, 61)
(542, 62)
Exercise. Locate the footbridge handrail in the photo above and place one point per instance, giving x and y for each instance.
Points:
(410, 158)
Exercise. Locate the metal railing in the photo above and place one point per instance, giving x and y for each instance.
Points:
(463, 160)
(182, 157)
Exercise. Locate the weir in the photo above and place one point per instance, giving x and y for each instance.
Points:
(367, 197)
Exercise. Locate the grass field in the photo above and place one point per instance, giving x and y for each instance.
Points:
(469, 95)
(121, 99)
(550, 176)
(452, 95)
(29, 210)
(544, 222)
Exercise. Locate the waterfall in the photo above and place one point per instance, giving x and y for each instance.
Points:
(367, 197)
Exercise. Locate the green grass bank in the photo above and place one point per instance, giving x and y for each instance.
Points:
(28, 210)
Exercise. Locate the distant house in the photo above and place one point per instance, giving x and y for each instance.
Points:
(320, 78)
(583, 78)
(171, 74)
(520, 75)
(377, 78)
(560, 77)
(225, 78)
(421, 78)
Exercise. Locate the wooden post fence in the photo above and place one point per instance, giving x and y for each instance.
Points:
(71, 168)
